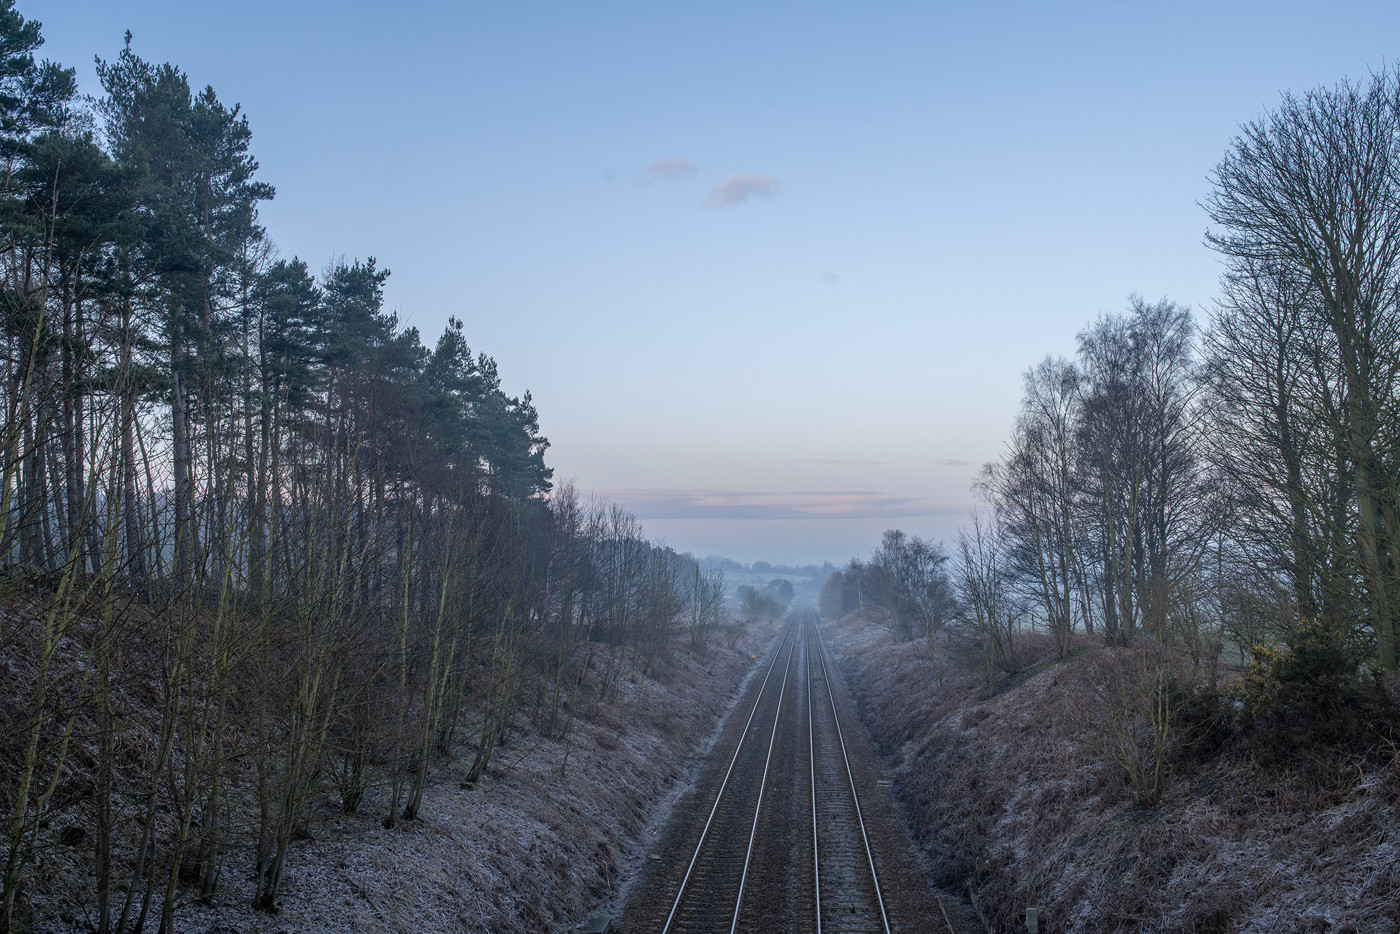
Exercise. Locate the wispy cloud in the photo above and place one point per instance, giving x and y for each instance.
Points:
(667, 170)
(738, 188)
(743, 504)
(836, 462)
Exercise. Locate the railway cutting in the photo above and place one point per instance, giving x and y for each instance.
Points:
(789, 826)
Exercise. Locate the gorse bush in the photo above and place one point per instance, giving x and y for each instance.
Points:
(1313, 692)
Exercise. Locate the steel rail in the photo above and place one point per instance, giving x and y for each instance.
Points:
(812, 769)
(855, 797)
(719, 795)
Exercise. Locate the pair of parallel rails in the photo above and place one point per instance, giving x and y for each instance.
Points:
(845, 885)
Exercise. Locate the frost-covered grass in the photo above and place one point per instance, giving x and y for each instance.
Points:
(1010, 798)
(530, 849)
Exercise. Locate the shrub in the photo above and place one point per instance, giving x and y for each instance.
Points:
(1138, 696)
(1206, 722)
(1312, 693)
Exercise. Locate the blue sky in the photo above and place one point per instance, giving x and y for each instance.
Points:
(772, 271)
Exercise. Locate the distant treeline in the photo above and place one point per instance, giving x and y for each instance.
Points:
(764, 603)
(721, 563)
(259, 546)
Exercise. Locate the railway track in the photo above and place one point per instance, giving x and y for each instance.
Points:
(789, 789)
(843, 864)
(710, 896)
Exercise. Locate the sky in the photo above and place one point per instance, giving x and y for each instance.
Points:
(771, 271)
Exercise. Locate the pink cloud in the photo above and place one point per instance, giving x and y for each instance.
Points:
(738, 188)
(668, 170)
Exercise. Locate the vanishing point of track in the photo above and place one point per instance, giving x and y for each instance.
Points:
(761, 815)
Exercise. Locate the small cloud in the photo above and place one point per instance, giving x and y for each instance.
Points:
(831, 280)
(667, 170)
(738, 188)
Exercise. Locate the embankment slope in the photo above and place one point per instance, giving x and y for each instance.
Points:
(1010, 799)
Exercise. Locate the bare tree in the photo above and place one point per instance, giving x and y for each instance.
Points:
(1037, 489)
(985, 594)
(1312, 192)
